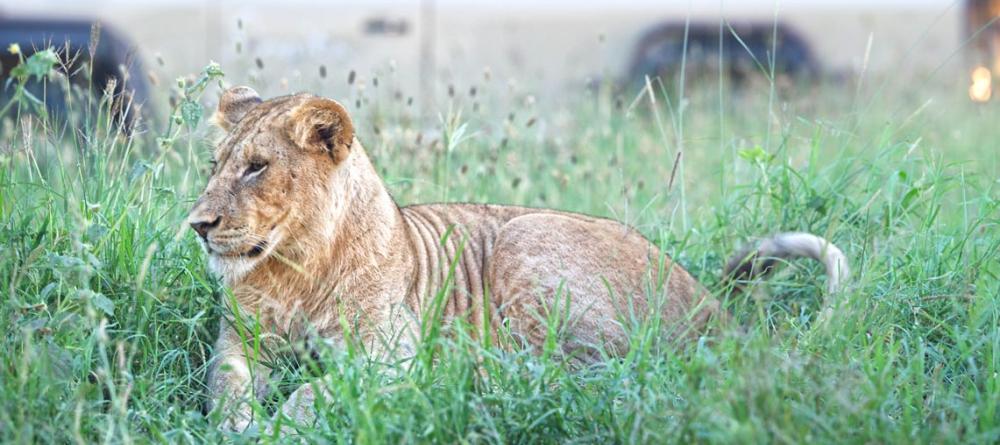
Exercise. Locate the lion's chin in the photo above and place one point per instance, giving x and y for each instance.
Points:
(233, 268)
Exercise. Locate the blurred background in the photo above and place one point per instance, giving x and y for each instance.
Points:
(545, 49)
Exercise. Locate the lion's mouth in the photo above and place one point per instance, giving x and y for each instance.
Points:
(253, 252)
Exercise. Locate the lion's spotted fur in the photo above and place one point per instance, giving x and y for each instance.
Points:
(314, 238)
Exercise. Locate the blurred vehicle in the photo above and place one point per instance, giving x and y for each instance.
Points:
(983, 34)
(736, 51)
(113, 64)
(419, 49)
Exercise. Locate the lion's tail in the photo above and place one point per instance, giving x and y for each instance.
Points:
(758, 261)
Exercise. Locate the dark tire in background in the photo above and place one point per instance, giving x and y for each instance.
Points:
(115, 62)
(746, 52)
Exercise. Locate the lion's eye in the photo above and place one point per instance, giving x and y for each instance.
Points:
(255, 168)
(213, 165)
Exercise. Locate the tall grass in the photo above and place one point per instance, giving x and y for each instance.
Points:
(108, 312)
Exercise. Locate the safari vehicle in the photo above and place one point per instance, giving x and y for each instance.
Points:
(95, 59)
(737, 51)
(538, 47)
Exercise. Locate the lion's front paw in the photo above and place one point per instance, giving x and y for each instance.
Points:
(299, 411)
(239, 422)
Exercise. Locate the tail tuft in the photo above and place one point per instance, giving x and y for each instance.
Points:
(752, 263)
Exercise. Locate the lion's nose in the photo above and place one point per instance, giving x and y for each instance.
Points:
(204, 226)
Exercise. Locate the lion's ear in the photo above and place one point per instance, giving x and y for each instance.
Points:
(234, 104)
(322, 124)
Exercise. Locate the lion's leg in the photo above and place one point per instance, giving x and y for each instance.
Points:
(300, 409)
(390, 345)
(231, 383)
(595, 275)
(393, 341)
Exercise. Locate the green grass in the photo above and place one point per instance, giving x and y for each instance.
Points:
(108, 312)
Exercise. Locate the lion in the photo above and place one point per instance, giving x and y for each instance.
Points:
(299, 225)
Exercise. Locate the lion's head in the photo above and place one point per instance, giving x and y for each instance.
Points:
(277, 184)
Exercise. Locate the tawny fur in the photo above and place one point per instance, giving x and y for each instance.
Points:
(306, 235)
